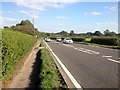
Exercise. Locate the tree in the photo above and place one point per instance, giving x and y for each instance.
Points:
(6, 27)
(97, 33)
(107, 32)
(64, 33)
(72, 32)
(89, 34)
(113, 33)
(26, 26)
(13, 27)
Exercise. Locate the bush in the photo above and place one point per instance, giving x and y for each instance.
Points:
(78, 39)
(105, 41)
(14, 46)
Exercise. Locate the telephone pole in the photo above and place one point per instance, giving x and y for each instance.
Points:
(33, 27)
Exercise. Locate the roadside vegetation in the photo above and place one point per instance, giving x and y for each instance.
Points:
(49, 76)
(107, 39)
(14, 47)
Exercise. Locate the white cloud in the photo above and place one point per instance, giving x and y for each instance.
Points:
(96, 13)
(61, 17)
(41, 5)
(93, 13)
(106, 23)
(31, 13)
(7, 21)
(113, 8)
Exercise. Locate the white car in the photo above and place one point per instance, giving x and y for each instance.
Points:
(67, 40)
(47, 39)
(58, 39)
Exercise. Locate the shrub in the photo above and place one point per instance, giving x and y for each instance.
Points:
(105, 41)
(78, 39)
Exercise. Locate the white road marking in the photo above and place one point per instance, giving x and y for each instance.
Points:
(106, 56)
(113, 60)
(87, 51)
(74, 81)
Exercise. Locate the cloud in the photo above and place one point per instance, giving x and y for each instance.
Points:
(41, 5)
(106, 23)
(93, 13)
(113, 8)
(7, 12)
(31, 13)
(61, 17)
(8, 21)
(96, 13)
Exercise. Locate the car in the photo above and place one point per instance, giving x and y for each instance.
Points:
(67, 40)
(47, 39)
(58, 39)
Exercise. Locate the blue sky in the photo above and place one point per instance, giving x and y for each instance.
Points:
(54, 17)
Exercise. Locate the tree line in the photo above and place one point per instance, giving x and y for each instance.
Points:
(72, 33)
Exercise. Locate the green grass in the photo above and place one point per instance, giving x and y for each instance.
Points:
(106, 46)
(14, 47)
(87, 39)
(49, 76)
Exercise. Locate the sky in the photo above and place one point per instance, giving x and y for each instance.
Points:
(67, 15)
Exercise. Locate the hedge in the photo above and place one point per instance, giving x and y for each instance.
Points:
(78, 39)
(14, 46)
(105, 41)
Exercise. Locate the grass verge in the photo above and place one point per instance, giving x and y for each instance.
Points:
(106, 46)
(49, 76)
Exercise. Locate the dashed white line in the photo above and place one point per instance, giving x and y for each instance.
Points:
(106, 56)
(74, 81)
(113, 60)
(87, 51)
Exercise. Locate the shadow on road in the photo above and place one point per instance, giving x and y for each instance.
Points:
(35, 72)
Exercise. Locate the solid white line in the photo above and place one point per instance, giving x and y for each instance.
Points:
(74, 81)
(113, 60)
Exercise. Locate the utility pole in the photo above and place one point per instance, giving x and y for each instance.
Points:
(33, 27)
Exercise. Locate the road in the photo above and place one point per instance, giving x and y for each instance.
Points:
(92, 66)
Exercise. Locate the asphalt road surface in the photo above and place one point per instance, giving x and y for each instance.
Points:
(92, 67)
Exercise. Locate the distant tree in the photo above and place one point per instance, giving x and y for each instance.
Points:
(89, 34)
(64, 33)
(113, 33)
(13, 27)
(97, 33)
(6, 27)
(26, 26)
(107, 32)
(72, 32)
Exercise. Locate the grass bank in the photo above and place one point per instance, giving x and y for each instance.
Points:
(49, 76)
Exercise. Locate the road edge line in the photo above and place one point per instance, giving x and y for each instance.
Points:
(71, 77)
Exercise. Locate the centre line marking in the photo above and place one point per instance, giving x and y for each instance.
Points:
(106, 56)
(113, 60)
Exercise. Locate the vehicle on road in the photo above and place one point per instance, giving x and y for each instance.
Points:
(58, 39)
(47, 39)
(67, 40)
